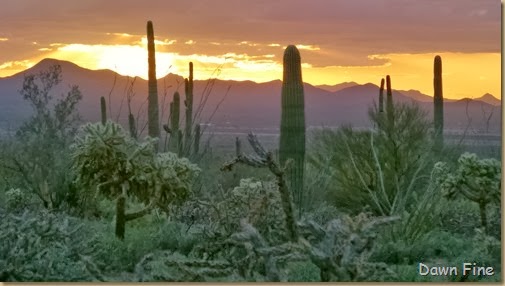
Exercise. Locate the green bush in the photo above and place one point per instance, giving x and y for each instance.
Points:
(42, 246)
(38, 155)
(303, 272)
(15, 199)
(376, 170)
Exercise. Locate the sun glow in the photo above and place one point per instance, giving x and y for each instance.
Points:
(128, 60)
(464, 74)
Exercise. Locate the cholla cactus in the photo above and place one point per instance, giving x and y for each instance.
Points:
(341, 249)
(259, 203)
(478, 180)
(117, 166)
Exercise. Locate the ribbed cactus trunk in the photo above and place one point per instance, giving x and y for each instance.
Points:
(292, 138)
(438, 100)
(175, 110)
(152, 108)
(188, 88)
(389, 103)
(103, 109)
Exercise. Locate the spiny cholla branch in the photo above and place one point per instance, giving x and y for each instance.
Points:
(262, 158)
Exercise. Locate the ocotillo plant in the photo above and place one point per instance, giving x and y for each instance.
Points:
(438, 100)
(103, 108)
(292, 138)
(381, 97)
(188, 102)
(152, 109)
(389, 103)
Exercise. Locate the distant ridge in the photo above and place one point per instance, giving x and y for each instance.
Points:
(337, 87)
(247, 104)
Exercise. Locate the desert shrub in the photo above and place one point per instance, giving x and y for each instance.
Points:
(377, 169)
(439, 244)
(15, 199)
(38, 155)
(440, 248)
(461, 216)
(322, 213)
(256, 201)
(259, 203)
(175, 267)
(42, 246)
(302, 271)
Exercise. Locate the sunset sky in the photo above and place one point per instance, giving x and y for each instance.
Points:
(339, 40)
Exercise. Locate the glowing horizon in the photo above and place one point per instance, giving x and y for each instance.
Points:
(239, 67)
(339, 41)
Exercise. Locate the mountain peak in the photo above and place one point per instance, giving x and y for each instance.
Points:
(490, 99)
(50, 61)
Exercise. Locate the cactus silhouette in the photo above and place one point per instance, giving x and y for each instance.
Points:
(292, 137)
(103, 108)
(381, 97)
(152, 108)
(438, 101)
(389, 103)
(188, 88)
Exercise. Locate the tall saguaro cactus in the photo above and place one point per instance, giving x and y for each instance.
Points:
(152, 109)
(188, 88)
(438, 100)
(292, 138)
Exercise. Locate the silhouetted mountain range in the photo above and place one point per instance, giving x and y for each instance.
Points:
(238, 104)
